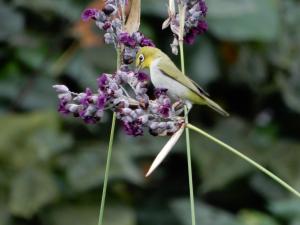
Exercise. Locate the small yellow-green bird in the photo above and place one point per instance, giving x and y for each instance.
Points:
(165, 74)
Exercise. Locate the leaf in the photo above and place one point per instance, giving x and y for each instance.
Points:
(286, 208)
(72, 215)
(243, 20)
(87, 214)
(11, 22)
(265, 186)
(32, 56)
(5, 218)
(249, 217)
(284, 161)
(66, 9)
(39, 94)
(30, 138)
(133, 21)
(32, 189)
(85, 170)
(205, 214)
(290, 88)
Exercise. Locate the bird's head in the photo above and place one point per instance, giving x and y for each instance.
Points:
(145, 57)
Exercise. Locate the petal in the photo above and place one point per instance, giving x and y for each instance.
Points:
(166, 23)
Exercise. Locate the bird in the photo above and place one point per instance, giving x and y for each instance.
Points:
(165, 74)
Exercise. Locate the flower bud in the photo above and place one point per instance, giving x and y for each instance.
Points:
(109, 9)
(61, 88)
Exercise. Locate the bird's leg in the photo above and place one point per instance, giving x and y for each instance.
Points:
(178, 107)
(189, 106)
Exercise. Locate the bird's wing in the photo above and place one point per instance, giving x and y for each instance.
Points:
(171, 70)
(200, 88)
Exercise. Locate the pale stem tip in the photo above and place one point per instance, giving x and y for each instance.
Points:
(165, 150)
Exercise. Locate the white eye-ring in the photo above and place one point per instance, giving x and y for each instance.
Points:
(141, 58)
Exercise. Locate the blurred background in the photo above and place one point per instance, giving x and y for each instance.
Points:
(52, 167)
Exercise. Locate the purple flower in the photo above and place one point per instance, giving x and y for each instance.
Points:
(89, 14)
(101, 101)
(126, 39)
(85, 100)
(190, 37)
(62, 107)
(142, 77)
(106, 26)
(109, 9)
(133, 128)
(61, 88)
(102, 82)
(90, 119)
(202, 27)
(203, 7)
(160, 91)
(146, 42)
(164, 110)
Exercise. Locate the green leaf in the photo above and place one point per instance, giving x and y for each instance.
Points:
(248, 217)
(11, 22)
(205, 214)
(32, 189)
(243, 20)
(30, 138)
(32, 56)
(5, 218)
(66, 9)
(39, 94)
(290, 88)
(286, 208)
(87, 214)
(284, 161)
(85, 170)
(265, 186)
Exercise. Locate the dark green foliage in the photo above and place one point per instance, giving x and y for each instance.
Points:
(51, 167)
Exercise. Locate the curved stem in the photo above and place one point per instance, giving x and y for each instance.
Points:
(182, 9)
(246, 158)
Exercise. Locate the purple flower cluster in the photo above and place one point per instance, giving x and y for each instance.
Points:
(124, 92)
(136, 113)
(194, 23)
(111, 23)
(131, 44)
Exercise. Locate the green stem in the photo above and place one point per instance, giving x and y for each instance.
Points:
(111, 140)
(189, 160)
(187, 133)
(108, 160)
(246, 158)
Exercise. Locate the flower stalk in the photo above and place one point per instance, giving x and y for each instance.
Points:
(244, 157)
(182, 9)
(107, 168)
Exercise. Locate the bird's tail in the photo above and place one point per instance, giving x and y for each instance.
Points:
(215, 106)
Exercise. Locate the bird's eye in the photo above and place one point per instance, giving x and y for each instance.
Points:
(141, 58)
